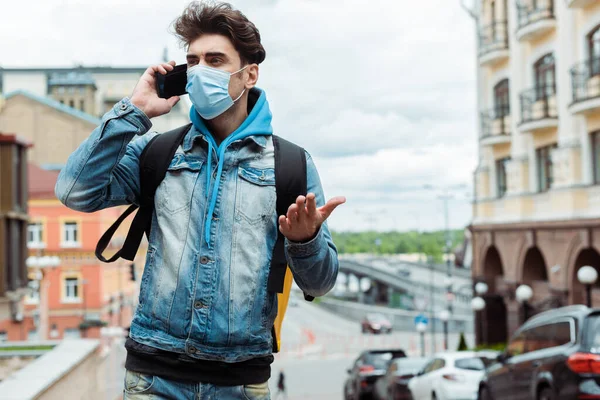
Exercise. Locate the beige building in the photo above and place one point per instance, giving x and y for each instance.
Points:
(536, 217)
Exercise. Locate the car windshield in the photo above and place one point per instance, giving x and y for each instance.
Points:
(593, 333)
(472, 363)
(376, 318)
(411, 365)
(381, 360)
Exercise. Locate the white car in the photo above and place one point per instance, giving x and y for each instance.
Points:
(451, 376)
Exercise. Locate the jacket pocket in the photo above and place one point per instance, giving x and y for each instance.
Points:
(175, 192)
(136, 383)
(255, 194)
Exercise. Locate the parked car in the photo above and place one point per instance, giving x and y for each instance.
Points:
(553, 356)
(376, 323)
(451, 376)
(394, 384)
(367, 369)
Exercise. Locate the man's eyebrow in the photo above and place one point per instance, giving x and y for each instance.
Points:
(215, 54)
(191, 57)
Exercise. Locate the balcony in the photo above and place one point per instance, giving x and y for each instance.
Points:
(585, 81)
(538, 109)
(493, 43)
(579, 3)
(535, 18)
(495, 126)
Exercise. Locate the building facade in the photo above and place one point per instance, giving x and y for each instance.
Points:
(536, 216)
(77, 294)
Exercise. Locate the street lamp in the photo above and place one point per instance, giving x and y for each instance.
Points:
(445, 316)
(481, 288)
(478, 304)
(41, 265)
(524, 293)
(421, 328)
(588, 276)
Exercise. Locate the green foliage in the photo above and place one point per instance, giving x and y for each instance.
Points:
(428, 243)
(462, 344)
(26, 348)
(494, 347)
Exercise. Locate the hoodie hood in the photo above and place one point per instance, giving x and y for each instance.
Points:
(258, 122)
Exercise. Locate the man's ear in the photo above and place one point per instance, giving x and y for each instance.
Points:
(252, 71)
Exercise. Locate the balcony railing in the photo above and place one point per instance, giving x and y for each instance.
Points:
(538, 103)
(493, 37)
(531, 11)
(495, 122)
(585, 80)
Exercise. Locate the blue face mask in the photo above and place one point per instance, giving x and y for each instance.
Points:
(208, 89)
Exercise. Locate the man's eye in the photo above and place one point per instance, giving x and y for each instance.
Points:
(216, 61)
(192, 63)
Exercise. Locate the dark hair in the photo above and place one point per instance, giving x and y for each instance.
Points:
(221, 18)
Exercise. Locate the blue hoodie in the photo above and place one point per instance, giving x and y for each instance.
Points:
(258, 122)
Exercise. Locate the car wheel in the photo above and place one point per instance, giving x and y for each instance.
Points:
(484, 394)
(546, 394)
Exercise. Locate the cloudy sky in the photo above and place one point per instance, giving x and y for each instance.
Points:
(380, 92)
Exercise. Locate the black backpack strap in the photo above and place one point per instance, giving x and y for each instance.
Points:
(290, 182)
(154, 162)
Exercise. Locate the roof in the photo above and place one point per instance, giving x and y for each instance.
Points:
(71, 78)
(576, 311)
(92, 69)
(14, 139)
(41, 182)
(56, 105)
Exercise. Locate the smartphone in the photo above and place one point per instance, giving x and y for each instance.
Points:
(173, 83)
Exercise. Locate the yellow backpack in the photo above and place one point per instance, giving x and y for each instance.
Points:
(290, 182)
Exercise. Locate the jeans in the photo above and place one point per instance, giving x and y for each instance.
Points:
(147, 387)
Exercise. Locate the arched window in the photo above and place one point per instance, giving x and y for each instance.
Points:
(502, 99)
(544, 70)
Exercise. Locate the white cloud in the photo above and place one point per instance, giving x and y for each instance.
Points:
(382, 93)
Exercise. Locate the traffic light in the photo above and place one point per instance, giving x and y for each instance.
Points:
(132, 275)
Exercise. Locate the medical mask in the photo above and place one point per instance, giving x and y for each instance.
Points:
(208, 89)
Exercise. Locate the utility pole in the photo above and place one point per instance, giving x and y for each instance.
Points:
(431, 303)
(448, 251)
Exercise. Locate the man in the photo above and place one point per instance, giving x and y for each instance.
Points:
(203, 325)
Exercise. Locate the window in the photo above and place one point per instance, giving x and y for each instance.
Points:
(33, 294)
(547, 336)
(594, 50)
(502, 99)
(61, 90)
(62, 101)
(596, 156)
(545, 77)
(71, 90)
(33, 336)
(71, 333)
(3, 336)
(517, 345)
(71, 234)
(34, 235)
(71, 289)
(72, 103)
(471, 363)
(82, 90)
(82, 105)
(544, 167)
(501, 176)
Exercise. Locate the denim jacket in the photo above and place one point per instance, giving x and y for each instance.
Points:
(204, 298)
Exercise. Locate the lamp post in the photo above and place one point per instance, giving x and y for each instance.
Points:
(478, 304)
(421, 328)
(42, 265)
(445, 316)
(587, 276)
(524, 293)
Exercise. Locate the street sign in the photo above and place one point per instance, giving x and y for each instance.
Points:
(421, 319)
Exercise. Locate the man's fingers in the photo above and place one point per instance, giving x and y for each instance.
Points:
(311, 205)
(292, 213)
(300, 203)
(173, 100)
(284, 225)
(331, 205)
(162, 69)
(172, 63)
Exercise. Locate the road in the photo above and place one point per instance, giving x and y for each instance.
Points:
(318, 347)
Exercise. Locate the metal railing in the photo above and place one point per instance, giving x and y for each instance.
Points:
(536, 11)
(495, 122)
(493, 37)
(538, 103)
(585, 80)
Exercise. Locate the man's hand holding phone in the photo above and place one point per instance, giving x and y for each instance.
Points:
(145, 97)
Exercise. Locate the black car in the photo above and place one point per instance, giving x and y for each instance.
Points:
(394, 384)
(368, 368)
(553, 356)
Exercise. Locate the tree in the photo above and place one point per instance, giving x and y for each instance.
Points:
(462, 344)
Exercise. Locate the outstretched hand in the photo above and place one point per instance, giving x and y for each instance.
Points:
(304, 219)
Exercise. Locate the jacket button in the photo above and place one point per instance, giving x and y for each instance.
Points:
(123, 106)
(198, 304)
(204, 260)
(192, 349)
